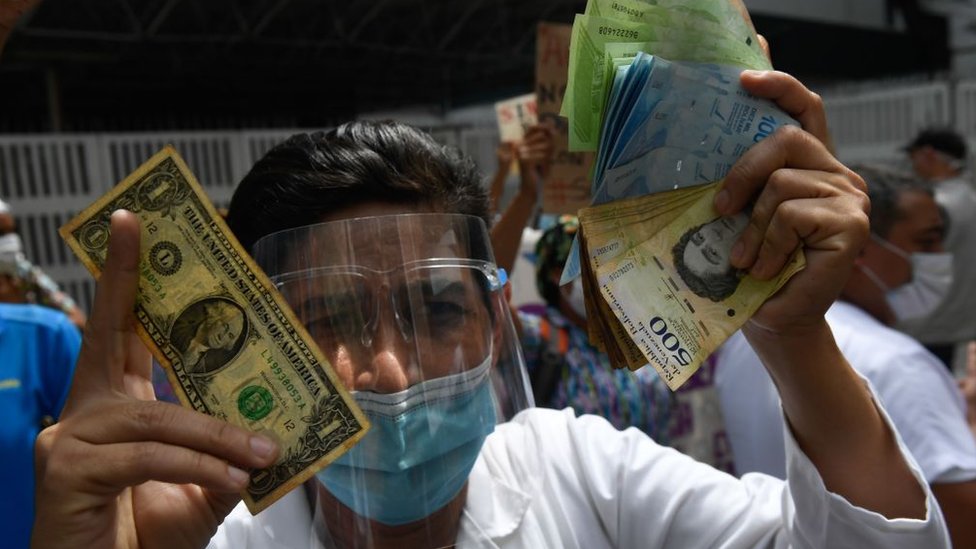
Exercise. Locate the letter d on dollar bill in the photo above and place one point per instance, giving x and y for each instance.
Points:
(231, 346)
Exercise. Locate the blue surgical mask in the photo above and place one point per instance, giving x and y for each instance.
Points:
(419, 450)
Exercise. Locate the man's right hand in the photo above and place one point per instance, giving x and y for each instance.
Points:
(120, 469)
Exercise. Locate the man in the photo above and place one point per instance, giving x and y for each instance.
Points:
(38, 348)
(915, 389)
(371, 205)
(939, 157)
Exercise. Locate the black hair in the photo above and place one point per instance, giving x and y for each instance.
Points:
(309, 176)
(885, 187)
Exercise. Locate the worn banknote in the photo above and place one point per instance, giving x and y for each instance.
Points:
(670, 32)
(666, 276)
(231, 346)
(674, 125)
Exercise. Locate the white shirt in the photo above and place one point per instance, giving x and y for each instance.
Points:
(547, 479)
(954, 320)
(914, 387)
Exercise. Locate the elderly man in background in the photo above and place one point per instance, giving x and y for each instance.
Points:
(939, 157)
(905, 251)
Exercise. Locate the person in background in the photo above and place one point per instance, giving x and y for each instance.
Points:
(938, 156)
(543, 478)
(905, 252)
(534, 155)
(565, 370)
(26, 282)
(38, 349)
(968, 386)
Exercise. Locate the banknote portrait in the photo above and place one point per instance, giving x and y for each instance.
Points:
(701, 257)
(209, 334)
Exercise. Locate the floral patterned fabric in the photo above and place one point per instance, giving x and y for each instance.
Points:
(589, 385)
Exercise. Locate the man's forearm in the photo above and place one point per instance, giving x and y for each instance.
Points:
(836, 422)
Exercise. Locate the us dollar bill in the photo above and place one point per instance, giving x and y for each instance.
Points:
(230, 345)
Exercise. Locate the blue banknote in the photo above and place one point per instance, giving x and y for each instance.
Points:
(672, 125)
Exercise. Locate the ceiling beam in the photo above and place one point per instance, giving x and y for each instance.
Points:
(450, 35)
(368, 17)
(161, 17)
(269, 16)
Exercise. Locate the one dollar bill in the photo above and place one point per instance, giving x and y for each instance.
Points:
(230, 345)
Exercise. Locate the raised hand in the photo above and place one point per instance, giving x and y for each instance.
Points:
(802, 197)
(121, 469)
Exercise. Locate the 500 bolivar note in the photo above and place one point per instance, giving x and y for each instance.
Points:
(231, 346)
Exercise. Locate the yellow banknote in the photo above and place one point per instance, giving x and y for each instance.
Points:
(675, 294)
(231, 346)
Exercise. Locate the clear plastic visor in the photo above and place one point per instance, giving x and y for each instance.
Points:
(410, 310)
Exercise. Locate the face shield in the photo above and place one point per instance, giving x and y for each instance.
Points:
(410, 310)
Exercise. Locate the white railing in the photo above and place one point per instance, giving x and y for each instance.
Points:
(47, 179)
(874, 125)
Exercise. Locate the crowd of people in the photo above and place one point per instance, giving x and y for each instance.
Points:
(842, 415)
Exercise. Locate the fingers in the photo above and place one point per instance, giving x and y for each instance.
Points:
(793, 97)
(788, 147)
(818, 224)
(805, 197)
(782, 186)
(135, 463)
(131, 421)
(102, 360)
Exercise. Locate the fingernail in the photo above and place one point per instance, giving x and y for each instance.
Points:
(261, 446)
(237, 476)
(722, 200)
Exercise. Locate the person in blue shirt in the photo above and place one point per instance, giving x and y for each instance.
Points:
(38, 349)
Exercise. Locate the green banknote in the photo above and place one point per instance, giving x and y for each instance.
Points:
(675, 34)
(231, 346)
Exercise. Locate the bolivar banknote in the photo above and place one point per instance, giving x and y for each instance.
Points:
(687, 125)
(675, 293)
(674, 125)
(671, 34)
(613, 229)
(230, 345)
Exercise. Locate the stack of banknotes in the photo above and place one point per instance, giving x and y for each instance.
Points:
(654, 90)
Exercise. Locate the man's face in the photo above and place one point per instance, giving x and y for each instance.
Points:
(222, 330)
(709, 249)
(923, 159)
(384, 318)
(919, 230)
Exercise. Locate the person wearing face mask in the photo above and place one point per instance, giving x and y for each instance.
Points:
(377, 238)
(565, 370)
(938, 155)
(902, 273)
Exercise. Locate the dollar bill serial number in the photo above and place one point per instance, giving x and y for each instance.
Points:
(618, 32)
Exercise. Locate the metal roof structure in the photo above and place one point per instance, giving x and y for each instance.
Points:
(117, 65)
